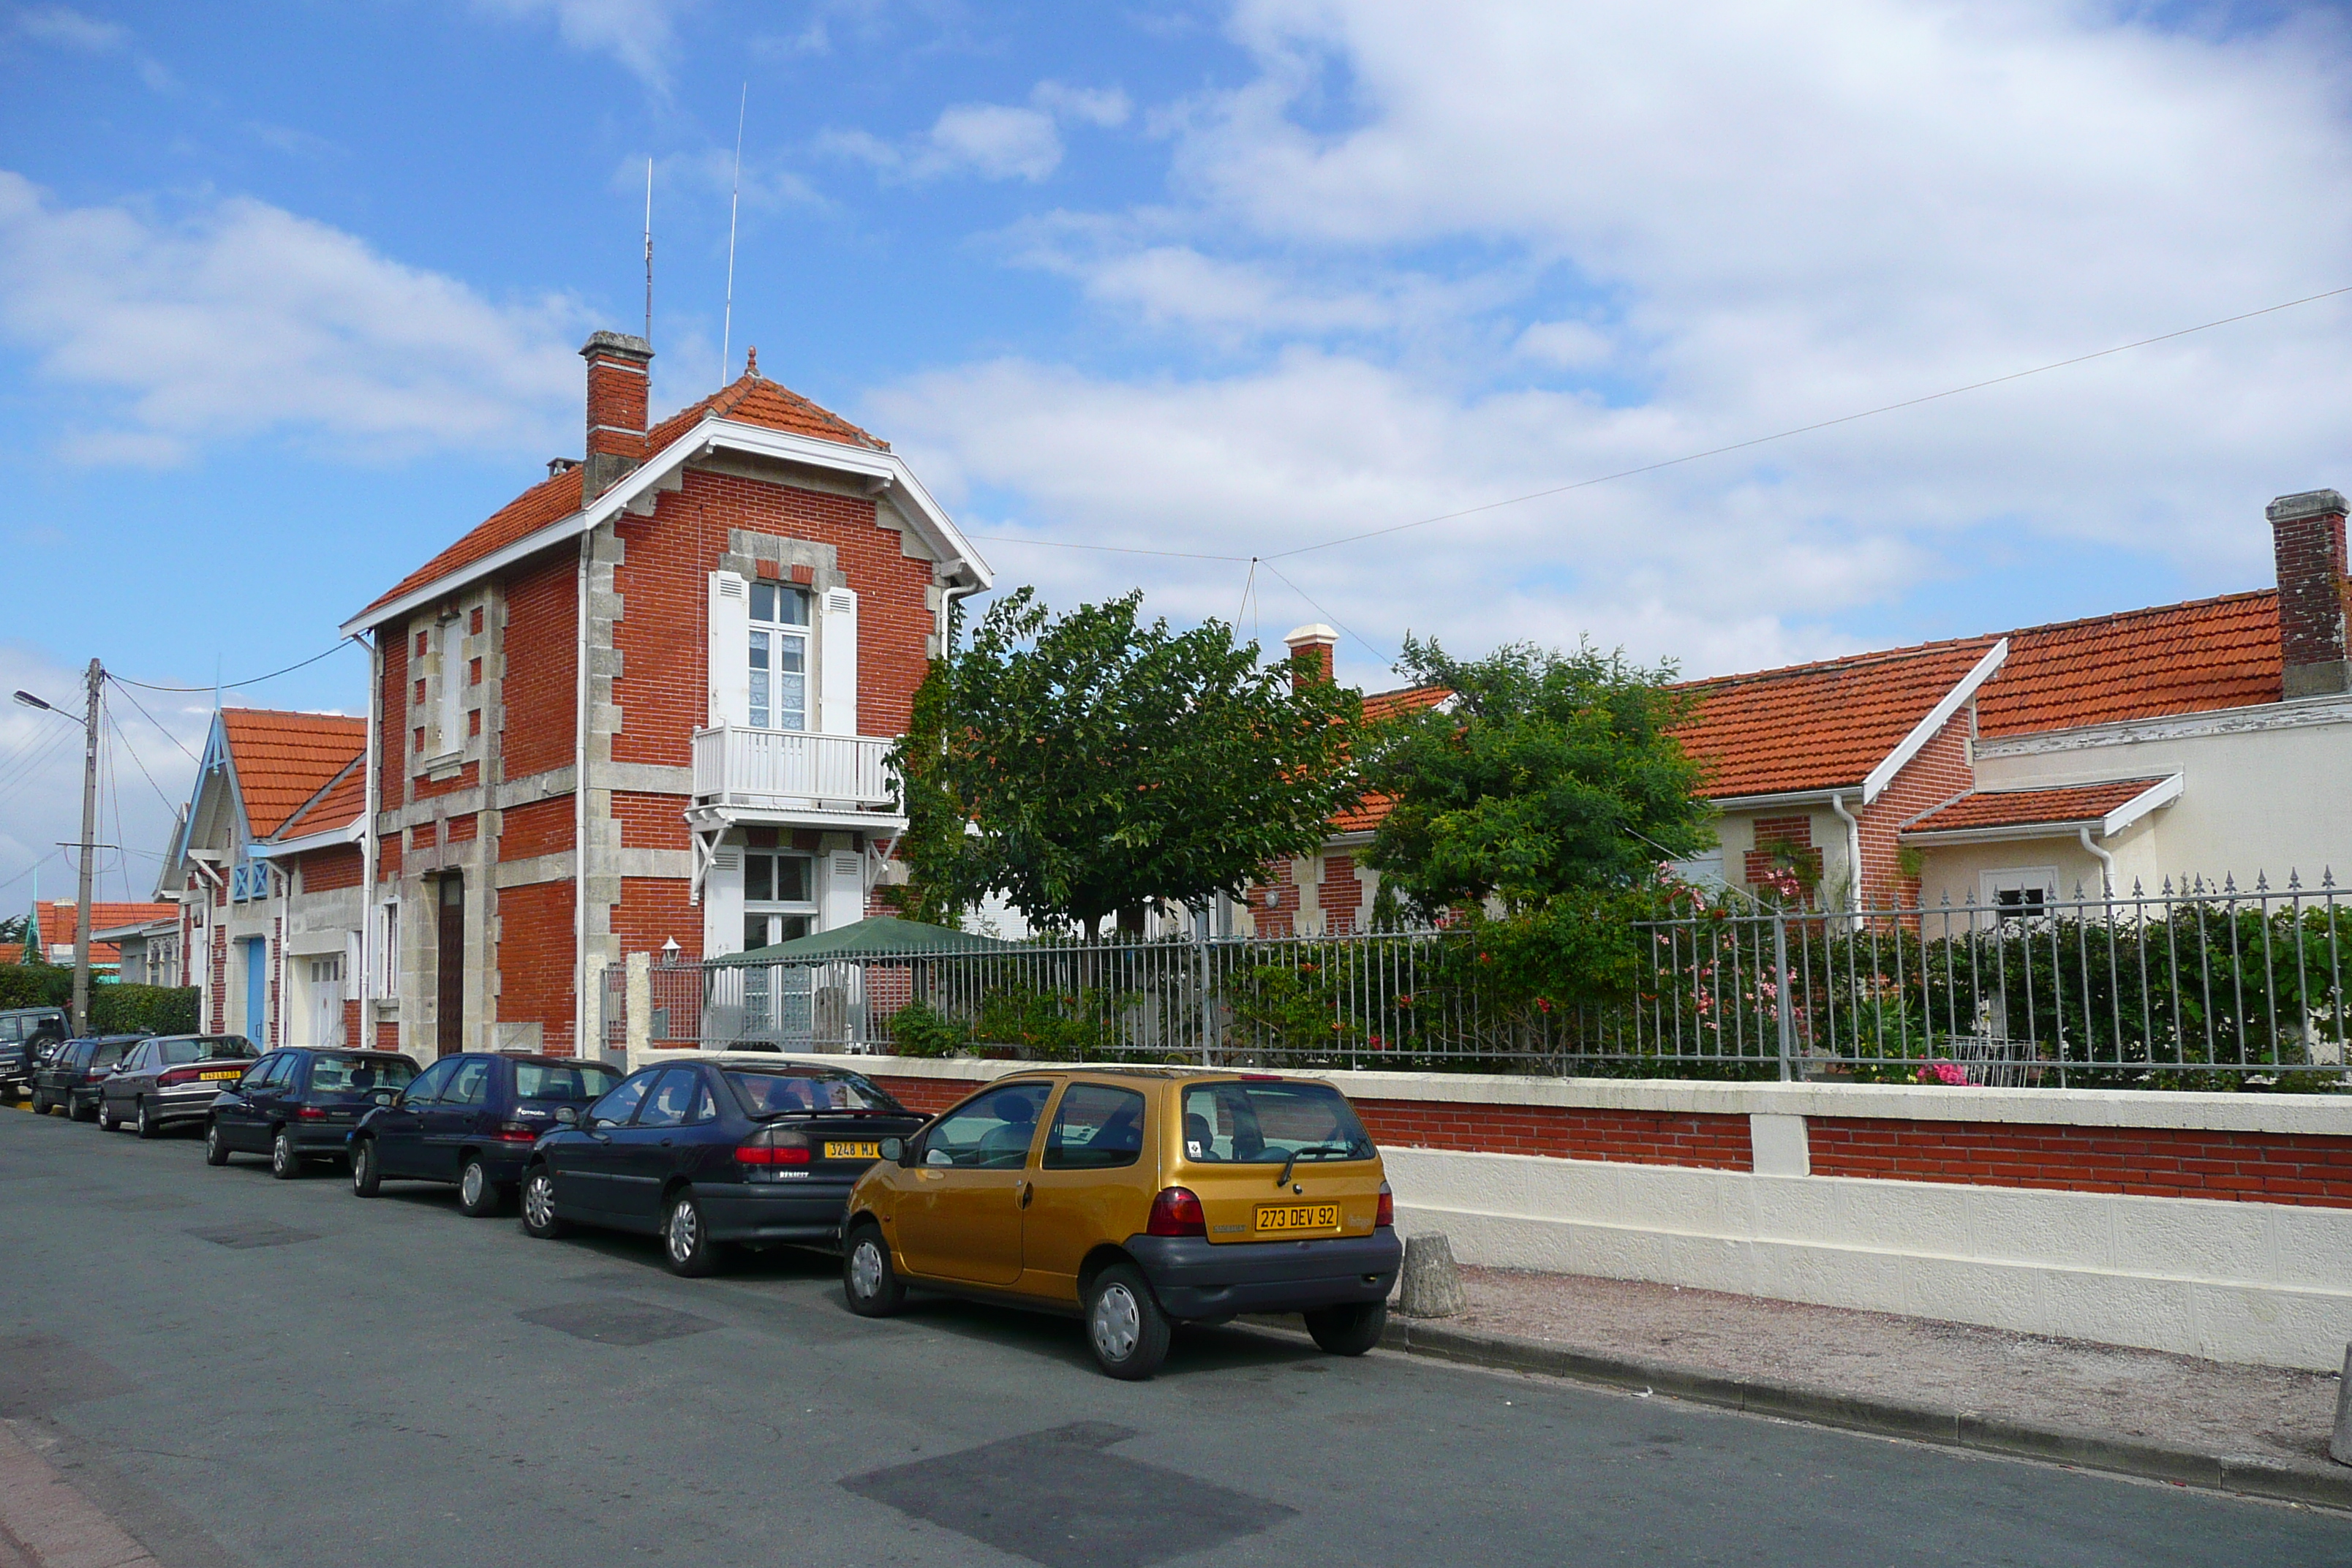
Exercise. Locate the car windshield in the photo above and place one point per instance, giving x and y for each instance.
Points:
(783, 1093)
(208, 1048)
(573, 1080)
(1267, 1123)
(358, 1075)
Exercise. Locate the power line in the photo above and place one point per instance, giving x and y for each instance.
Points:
(1383, 658)
(159, 728)
(1111, 549)
(169, 803)
(231, 685)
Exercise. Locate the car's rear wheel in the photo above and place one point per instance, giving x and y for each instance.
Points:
(1125, 1327)
(367, 1175)
(687, 1246)
(216, 1144)
(539, 1216)
(1349, 1331)
(867, 1277)
(478, 1195)
(284, 1163)
(144, 1122)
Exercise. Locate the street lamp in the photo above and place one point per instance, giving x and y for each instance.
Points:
(29, 700)
(92, 685)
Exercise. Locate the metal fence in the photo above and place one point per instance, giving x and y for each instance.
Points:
(2182, 988)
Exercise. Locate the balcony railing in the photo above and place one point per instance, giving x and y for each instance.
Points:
(785, 770)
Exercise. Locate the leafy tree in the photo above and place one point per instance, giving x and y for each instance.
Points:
(14, 927)
(1088, 765)
(1549, 776)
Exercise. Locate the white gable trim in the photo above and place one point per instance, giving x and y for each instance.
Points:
(881, 469)
(1937, 717)
(2163, 792)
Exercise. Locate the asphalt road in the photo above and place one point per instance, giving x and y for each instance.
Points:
(252, 1371)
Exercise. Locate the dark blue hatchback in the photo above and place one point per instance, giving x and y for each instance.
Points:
(471, 1120)
(717, 1149)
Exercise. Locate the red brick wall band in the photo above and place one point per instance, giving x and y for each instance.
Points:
(1619, 1137)
(2149, 1162)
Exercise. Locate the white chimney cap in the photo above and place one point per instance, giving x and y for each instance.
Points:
(1314, 632)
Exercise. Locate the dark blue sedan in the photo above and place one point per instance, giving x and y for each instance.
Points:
(471, 1120)
(715, 1149)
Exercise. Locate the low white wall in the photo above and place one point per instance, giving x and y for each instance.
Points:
(2268, 1284)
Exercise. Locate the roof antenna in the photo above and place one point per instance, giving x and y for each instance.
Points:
(649, 250)
(727, 332)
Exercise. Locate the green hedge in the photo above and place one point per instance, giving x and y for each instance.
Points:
(135, 1009)
(34, 986)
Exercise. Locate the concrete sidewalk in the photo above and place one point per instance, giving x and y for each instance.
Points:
(2255, 1430)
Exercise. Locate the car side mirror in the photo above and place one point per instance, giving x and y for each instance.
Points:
(383, 1097)
(894, 1150)
(566, 1116)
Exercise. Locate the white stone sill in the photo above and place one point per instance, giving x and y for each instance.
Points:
(2325, 1115)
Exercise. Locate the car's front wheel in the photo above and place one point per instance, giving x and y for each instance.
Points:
(284, 1163)
(867, 1277)
(539, 1216)
(216, 1144)
(687, 1246)
(74, 1111)
(107, 1120)
(367, 1175)
(478, 1195)
(1125, 1327)
(1349, 1331)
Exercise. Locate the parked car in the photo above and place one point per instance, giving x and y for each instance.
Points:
(720, 1149)
(1139, 1198)
(68, 1080)
(24, 1031)
(471, 1120)
(171, 1078)
(298, 1105)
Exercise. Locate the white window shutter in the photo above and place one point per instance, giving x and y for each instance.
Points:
(844, 871)
(722, 902)
(730, 650)
(836, 652)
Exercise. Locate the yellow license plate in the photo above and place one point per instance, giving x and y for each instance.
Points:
(853, 1151)
(1298, 1216)
(215, 1077)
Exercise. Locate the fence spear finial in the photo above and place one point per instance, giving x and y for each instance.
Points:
(2262, 882)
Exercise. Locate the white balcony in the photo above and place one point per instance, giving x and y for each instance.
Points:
(791, 775)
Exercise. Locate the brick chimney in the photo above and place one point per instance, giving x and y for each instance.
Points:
(2313, 594)
(619, 375)
(1313, 645)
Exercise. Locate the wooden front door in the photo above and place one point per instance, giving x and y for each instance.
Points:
(450, 1015)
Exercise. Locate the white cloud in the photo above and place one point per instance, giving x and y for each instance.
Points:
(1687, 228)
(994, 141)
(1106, 107)
(242, 318)
(640, 34)
(69, 29)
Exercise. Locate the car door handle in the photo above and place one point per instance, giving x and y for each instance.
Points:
(667, 1141)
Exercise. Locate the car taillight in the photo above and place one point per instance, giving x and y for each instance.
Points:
(1386, 1218)
(519, 1132)
(772, 1155)
(1176, 1212)
(177, 1075)
(311, 1113)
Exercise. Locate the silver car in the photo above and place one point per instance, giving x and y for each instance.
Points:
(172, 1078)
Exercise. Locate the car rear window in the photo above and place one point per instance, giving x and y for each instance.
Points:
(783, 1093)
(211, 1048)
(340, 1073)
(110, 1051)
(1266, 1123)
(575, 1081)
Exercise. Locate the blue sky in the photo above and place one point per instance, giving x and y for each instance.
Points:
(289, 296)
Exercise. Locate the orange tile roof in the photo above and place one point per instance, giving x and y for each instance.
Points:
(57, 925)
(12, 952)
(2191, 658)
(749, 399)
(2030, 808)
(284, 759)
(1369, 813)
(338, 804)
(1817, 726)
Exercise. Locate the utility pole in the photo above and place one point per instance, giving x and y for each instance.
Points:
(96, 681)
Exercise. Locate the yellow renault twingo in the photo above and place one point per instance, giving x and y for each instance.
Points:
(1135, 1198)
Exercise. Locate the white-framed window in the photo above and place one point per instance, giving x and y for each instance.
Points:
(2017, 892)
(779, 896)
(779, 656)
(386, 979)
(450, 718)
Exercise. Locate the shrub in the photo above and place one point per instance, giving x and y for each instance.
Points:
(134, 1009)
(918, 1029)
(34, 986)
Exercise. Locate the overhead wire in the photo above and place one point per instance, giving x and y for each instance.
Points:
(234, 685)
(1383, 658)
(158, 727)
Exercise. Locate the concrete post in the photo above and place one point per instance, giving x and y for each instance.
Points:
(588, 1045)
(641, 1006)
(2339, 1446)
(1430, 1285)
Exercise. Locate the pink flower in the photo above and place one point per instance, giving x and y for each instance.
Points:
(1951, 1073)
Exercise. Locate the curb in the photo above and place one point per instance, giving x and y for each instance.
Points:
(2247, 1475)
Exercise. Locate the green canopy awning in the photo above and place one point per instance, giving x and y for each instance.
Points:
(875, 936)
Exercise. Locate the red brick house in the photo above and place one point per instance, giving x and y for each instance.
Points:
(54, 920)
(647, 701)
(2209, 739)
(266, 875)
